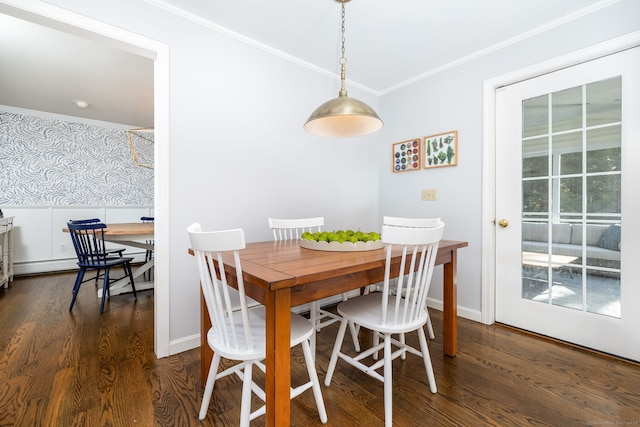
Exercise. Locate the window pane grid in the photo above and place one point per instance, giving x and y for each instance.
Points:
(570, 192)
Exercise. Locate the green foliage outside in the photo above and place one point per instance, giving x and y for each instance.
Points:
(602, 183)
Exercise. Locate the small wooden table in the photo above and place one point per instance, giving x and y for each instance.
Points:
(540, 259)
(6, 253)
(282, 274)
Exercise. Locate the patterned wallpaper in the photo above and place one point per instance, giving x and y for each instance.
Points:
(49, 162)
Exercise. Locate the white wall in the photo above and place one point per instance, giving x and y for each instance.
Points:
(453, 100)
(229, 172)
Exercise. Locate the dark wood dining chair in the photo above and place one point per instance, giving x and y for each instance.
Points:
(88, 242)
(112, 252)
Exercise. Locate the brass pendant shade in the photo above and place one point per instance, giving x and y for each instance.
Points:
(343, 117)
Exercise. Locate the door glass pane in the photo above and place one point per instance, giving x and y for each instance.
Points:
(535, 196)
(603, 149)
(603, 102)
(567, 153)
(566, 109)
(571, 199)
(535, 166)
(604, 194)
(567, 287)
(535, 282)
(535, 120)
(570, 195)
(570, 163)
(603, 288)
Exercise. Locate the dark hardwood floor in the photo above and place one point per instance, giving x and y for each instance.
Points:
(61, 368)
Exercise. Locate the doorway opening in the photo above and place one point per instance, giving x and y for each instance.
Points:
(72, 23)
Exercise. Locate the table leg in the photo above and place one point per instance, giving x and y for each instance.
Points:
(278, 360)
(4, 262)
(313, 318)
(123, 285)
(450, 309)
(206, 354)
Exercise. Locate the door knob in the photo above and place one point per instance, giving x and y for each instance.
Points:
(503, 223)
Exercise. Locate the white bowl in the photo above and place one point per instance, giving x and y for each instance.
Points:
(341, 247)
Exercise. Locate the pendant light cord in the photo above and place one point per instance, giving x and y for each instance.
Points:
(343, 117)
(343, 59)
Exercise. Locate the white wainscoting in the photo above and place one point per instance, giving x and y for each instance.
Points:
(40, 245)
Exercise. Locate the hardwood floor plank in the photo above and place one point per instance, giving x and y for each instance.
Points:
(81, 368)
(59, 402)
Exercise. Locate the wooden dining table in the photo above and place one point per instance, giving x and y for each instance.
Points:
(281, 274)
(137, 235)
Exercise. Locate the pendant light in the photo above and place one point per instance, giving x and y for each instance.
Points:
(343, 117)
(143, 138)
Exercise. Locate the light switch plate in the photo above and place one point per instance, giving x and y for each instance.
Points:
(429, 195)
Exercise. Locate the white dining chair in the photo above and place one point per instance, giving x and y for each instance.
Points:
(403, 222)
(393, 282)
(390, 313)
(238, 334)
(292, 229)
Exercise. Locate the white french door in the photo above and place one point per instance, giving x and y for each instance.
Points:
(567, 204)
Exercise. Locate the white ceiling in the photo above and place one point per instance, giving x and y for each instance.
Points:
(388, 44)
(45, 69)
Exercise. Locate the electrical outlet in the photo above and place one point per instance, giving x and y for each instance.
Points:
(63, 247)
(429, 195)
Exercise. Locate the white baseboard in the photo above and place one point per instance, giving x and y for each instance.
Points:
(184, 344)
(463, 312)
(53, 266)
(36, 267)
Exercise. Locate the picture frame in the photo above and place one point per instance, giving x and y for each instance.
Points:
(406, 155)
(441, 149)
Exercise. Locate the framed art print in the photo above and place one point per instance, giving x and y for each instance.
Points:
(406, 155)
(441, 150)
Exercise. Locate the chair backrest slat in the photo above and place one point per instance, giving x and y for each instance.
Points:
(231, 326)
(88, 240)
(410, 222)
(85, 221)
(418, 240)
(292, 229)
